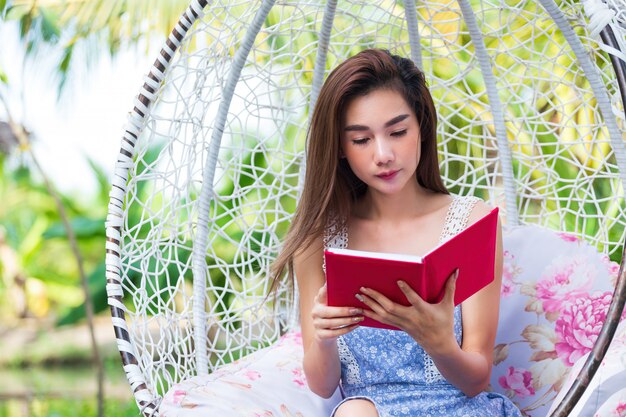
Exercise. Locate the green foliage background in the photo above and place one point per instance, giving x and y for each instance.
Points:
(39, 275)
(34, 241)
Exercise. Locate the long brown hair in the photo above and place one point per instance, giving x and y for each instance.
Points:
(330, 186)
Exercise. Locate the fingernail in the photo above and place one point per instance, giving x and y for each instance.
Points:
(357, 319)
(363, 289)
(401, 284)
(359, 297)
(356, 311)
(456, 273)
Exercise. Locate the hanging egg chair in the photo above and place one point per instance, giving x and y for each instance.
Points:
(530, 97)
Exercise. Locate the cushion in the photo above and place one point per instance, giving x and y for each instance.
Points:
(269, 382)
(556, 290)
(606, 394)
(555, 293)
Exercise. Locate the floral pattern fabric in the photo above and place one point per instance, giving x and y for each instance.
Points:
(606, 394)
(267, 383)
(555, 294)
(556, 290)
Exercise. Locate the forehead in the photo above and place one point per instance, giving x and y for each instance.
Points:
(377, 105)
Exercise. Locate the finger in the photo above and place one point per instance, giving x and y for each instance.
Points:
(352, 321)
(373, 305)
(334, 333)
(322, 295)
(370, 302)
(413, 297)
(451, 287)
(344, 330)
(336, 323)
(389, 314)
(383, 301)
(325, 312)
(383, 318)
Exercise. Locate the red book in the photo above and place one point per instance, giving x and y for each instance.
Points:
(472, 251)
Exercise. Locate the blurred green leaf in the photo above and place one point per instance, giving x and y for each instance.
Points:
(63, 67)
(15, 13)
(31, 241)
(50, 30)
(26, 21)
(97, 288)
(83, 227)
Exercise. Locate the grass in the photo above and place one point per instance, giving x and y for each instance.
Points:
(66, 407)
(64, 391)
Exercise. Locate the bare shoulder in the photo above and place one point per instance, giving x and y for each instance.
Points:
(309, 251)
(480, 210)
(309, 259)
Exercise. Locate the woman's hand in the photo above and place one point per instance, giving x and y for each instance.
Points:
(431, 325)
(332, 322)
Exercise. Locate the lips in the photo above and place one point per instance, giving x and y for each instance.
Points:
(389, 175)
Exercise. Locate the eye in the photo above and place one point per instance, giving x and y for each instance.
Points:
(362, 141)
(398, 133)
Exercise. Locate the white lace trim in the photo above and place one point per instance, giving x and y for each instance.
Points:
(457, 216)
(431, 373)
(353, 371)
(334, 238)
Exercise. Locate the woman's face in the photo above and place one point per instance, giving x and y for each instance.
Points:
(381, 141)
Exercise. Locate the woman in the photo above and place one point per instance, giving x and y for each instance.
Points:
(373, 183)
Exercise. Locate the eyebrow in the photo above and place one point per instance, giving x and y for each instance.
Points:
(391, 122)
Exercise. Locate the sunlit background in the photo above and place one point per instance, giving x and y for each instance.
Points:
(69, 72)
(72, 111)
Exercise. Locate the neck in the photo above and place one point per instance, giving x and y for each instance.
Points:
(402, 205)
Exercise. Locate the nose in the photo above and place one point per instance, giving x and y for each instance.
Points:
(384, 152)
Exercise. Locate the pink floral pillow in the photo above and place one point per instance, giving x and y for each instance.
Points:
(269, 382)
(556, 290)
(606, 394)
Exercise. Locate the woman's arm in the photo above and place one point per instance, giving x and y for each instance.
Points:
(321, 325)
(468, 367)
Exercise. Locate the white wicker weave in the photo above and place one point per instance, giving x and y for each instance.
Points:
(531, 119)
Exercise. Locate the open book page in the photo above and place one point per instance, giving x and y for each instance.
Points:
(377, 255)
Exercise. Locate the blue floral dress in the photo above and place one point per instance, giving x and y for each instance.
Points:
(391, 370)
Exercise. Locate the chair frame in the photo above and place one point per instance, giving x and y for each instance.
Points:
(144, 396)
